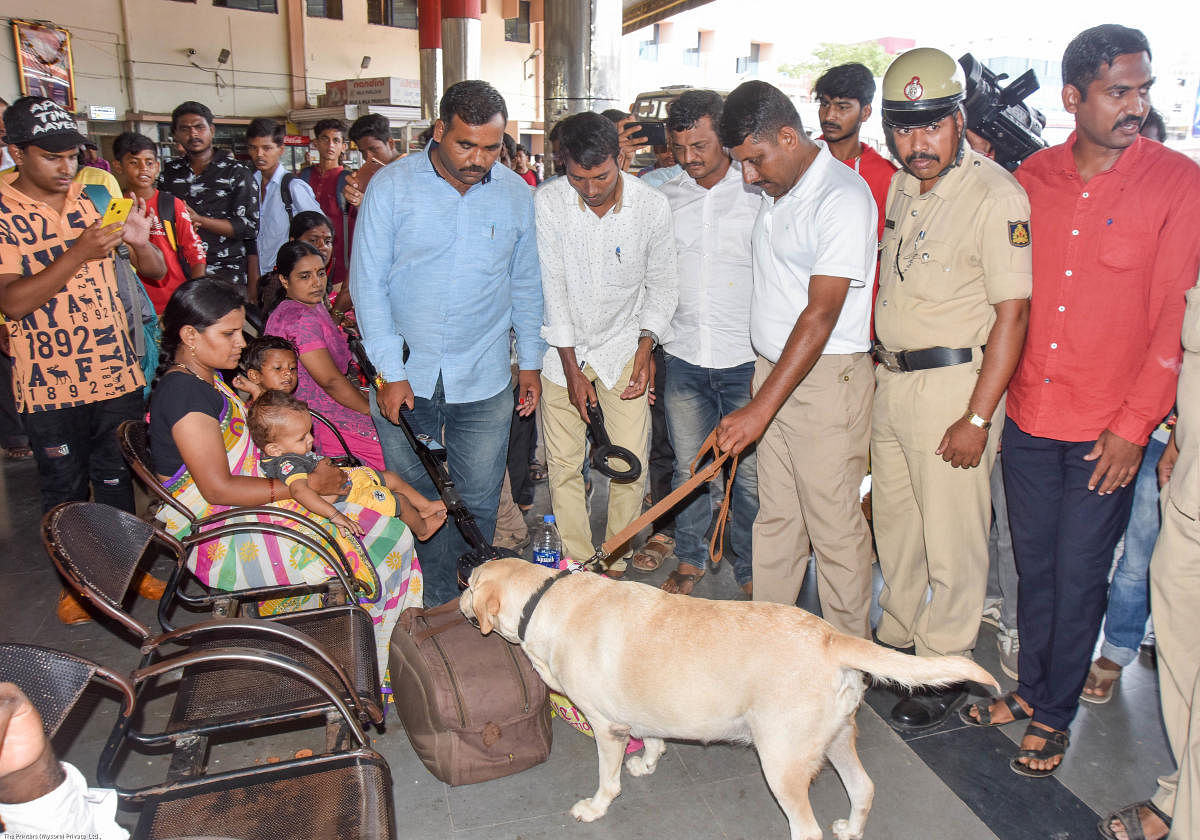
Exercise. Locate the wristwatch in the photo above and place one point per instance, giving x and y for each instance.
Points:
(650, 335)
(977, 420)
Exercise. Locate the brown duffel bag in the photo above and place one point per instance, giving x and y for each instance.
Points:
(472, 705)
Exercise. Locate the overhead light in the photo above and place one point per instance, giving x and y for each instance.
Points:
(223, 57)
(366, 62)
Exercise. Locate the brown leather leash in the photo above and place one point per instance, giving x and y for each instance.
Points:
(600, 561)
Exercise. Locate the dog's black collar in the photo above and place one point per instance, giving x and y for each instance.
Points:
(534, 599)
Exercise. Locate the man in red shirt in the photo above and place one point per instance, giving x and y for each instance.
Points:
(845, 93)
(171, 232)
(327, 180)
(1114, 218)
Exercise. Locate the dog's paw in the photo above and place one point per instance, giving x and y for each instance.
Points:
(841, 830)
(638, 766)
(585, 810)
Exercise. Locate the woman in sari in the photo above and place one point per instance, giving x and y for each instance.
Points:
(204, 457)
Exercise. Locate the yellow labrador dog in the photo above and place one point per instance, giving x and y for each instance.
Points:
(776, 676)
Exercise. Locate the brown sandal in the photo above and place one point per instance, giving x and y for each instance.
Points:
(650, 556)
(680, 583)
(1102, 680)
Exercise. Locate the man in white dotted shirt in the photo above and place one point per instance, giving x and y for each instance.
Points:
(610, 286)
(814, 260)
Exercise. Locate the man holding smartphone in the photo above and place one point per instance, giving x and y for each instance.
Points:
(75, 376)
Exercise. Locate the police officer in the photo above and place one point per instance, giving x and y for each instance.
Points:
(953, 305)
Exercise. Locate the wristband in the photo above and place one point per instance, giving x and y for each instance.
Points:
(379, 381)
(271, 490)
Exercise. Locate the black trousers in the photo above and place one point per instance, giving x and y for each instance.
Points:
(76, 451)
(662, 455)
(1063, 540)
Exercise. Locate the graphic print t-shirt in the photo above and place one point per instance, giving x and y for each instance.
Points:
(75, 349)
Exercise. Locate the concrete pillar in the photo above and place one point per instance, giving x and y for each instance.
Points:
(462, 40)
(582, 57)
(429, 42)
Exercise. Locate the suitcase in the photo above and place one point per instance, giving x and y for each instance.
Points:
(472, 705)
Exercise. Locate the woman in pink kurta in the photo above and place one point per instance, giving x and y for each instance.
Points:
(302, 318)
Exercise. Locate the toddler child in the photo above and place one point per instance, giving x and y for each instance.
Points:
(281, 427)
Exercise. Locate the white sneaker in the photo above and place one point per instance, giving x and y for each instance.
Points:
(991, 612)
(1009, 645)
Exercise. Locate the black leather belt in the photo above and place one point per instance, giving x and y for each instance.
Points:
(907, 361)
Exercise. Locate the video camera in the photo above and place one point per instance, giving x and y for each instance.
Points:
(1000, 115)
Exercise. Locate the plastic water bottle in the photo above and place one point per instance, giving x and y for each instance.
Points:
(547, 544)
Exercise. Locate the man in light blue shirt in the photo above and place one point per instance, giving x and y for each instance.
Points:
(444, 264)
(264, 137)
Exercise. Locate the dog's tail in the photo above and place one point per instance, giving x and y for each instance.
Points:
(908, 671)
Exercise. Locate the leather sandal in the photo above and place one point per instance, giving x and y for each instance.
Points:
(984, 709)
(1102, 679)
(682, 582)
(1130, 818)
(70, 610)
(650, 556)
(1056, 744)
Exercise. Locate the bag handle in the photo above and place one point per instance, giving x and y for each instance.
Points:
(599, 561)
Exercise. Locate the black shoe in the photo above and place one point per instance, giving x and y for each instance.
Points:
(927, 709)
(911, 650)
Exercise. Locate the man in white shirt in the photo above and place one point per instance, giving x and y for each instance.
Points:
(610, 287)
(709, 361)
(814, 259)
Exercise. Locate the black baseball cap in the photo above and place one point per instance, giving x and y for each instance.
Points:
(43, 123)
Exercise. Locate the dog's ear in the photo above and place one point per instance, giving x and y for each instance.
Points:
(485, 601)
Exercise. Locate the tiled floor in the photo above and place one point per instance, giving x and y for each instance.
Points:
(951, 783)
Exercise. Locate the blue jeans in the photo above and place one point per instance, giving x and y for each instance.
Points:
(696, 398)
(476, 439)
(1129, 592)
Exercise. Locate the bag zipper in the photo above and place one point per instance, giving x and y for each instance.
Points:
(462, 713)
(520, 676)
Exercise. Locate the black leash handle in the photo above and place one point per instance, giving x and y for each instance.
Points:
(604, 452)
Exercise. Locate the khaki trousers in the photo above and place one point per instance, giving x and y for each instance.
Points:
(931, 520)
(1175, 603)
(628, 424)
(811, 461)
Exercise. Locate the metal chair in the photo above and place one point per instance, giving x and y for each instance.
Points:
(133, 437)
(346, 796)
(97, 549)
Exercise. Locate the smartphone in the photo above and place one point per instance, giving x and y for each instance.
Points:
(117, 212)
(365, 172)
(654, 131)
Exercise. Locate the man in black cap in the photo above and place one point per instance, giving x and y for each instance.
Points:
(75, 375)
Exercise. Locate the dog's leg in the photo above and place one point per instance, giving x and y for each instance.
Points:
(859, 787)
(789, 776)
(644, 764)
(610, 747)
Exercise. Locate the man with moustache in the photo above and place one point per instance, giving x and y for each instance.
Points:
(709, 361)
(813, 247)
(446, 255)
(1116, 219)
(954, 279)
(608, 273)
(218, 191)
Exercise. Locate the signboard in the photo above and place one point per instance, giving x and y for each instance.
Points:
(102, 112)
(384, 90)
(295, 140)
(44, 61)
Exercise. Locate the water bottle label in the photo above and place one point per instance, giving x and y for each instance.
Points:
(547, 557)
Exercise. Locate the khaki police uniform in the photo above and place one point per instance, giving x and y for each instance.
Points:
(948, 257)
(1175, 595)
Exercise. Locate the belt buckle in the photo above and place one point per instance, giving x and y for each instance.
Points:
(888, 359)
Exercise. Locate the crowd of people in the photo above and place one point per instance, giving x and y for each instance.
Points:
(829, 313)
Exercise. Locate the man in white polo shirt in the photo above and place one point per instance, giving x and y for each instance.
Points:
(814, 260)
(709, 362)
(610, 288)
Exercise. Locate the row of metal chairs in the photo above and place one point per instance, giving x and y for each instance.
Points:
(237, 674)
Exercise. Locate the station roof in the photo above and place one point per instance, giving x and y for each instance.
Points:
(639, 13)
